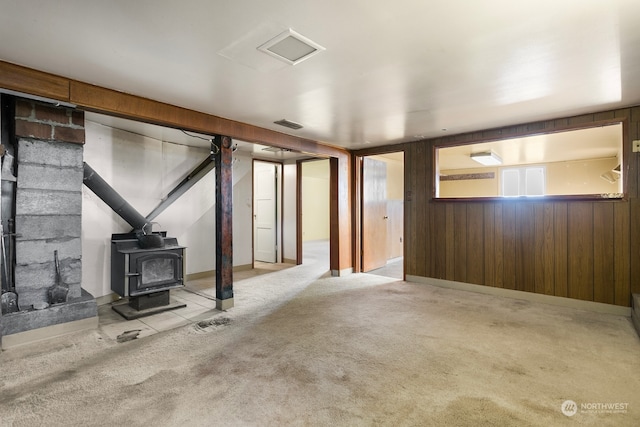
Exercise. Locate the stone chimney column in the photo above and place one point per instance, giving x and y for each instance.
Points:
(48, 217)
(48, 199)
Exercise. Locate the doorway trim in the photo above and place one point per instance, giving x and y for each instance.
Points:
(334, 242)
(279, 206)
(357, 188)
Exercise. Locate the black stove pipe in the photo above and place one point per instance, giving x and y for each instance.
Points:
(115, 201)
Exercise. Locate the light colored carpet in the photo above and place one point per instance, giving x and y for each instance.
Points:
(394, 269)
(207, 285)
(303, 348)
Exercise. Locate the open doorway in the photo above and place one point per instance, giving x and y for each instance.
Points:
(314, 211)
(383, 215)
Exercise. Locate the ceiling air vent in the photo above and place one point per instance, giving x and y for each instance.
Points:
(289, 124)
(291, 47)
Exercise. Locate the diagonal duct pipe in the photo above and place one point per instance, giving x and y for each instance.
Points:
(141, 226)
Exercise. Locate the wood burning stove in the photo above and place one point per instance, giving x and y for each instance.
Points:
(145, 265)
(145, 274)
(138, 271)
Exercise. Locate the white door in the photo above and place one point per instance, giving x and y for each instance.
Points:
(264, 211)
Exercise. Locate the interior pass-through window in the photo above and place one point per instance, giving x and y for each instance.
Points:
(585, 162)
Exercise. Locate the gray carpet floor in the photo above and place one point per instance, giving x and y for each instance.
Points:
(303, 348)
(394, 269)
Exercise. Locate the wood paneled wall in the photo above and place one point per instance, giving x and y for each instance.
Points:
(583, 249)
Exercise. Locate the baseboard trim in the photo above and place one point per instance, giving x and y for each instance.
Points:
(211, 273)
(200, 275)
(107, 299)
(342, 273)
(243, 267)
(48, 332)
(597, 307)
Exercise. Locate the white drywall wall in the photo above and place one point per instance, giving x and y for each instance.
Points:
(143, 170)
(315, 200)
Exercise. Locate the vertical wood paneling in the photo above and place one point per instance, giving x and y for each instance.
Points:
(460, 234)
(475, 235)
(606, 115)
(635, 246)
(509, 245)
(440, 241)
(581, 120)
(621, 258)
(419, 202)
(421, 197)
(426, 183)
(525, 247)
(489, 252)
(580, 245)
(414, 164)
(410, 215)
(549, 125)
(561, 254)
(499, 255)
(548, 264)
(603, 260)
(539, 253)
(630, 159)
(561, 123)
(580, 249)
(433, 249)
(450, 243)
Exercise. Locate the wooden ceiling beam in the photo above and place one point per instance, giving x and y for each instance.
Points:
(108, 101)
(26, 80)
(102, 100)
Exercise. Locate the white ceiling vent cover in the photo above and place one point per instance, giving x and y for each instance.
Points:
(291, 47)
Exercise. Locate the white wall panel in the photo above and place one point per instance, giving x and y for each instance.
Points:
(143, 170)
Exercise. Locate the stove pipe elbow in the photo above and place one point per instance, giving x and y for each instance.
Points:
(115, 201)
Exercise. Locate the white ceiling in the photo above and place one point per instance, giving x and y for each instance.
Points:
(193, 139)
(391, 71)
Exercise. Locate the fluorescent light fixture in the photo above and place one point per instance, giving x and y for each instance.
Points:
(488, 158)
